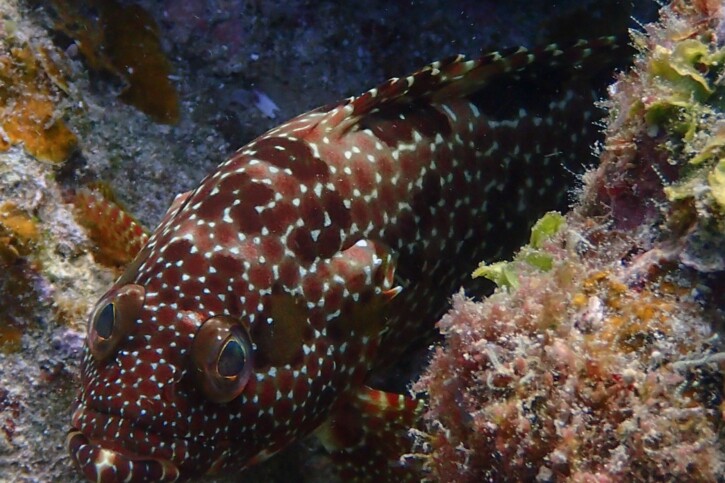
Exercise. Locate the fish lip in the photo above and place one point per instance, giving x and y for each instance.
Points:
(98, 463)
(104, 458)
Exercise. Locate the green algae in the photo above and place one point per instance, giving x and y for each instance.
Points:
(687, 82)
(545, 228)
(505, 274)
(716, 179)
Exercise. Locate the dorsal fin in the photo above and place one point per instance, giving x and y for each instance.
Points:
(457, 77)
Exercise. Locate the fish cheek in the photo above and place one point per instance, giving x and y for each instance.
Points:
(279, 338)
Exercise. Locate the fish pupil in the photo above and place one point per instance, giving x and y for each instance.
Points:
(232, 359)
(104, 321)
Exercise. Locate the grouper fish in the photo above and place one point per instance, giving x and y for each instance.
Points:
(263, 304)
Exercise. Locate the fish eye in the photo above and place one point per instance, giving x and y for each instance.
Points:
(103, 323)
(232, 358)
(113, 319)
(221, 354)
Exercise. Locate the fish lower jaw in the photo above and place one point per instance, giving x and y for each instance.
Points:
(108, 448)
(106, 465)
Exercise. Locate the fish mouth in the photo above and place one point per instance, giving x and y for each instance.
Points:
(108, 466)
(128, 454)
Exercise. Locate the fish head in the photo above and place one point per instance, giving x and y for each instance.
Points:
(195, 362)
(156, 381)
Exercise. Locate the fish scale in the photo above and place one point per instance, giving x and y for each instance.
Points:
(256, 311)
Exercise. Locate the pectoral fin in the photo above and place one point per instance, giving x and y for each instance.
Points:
(366, 271)
(368, 433)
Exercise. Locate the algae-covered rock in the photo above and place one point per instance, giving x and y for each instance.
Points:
(606, 364)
